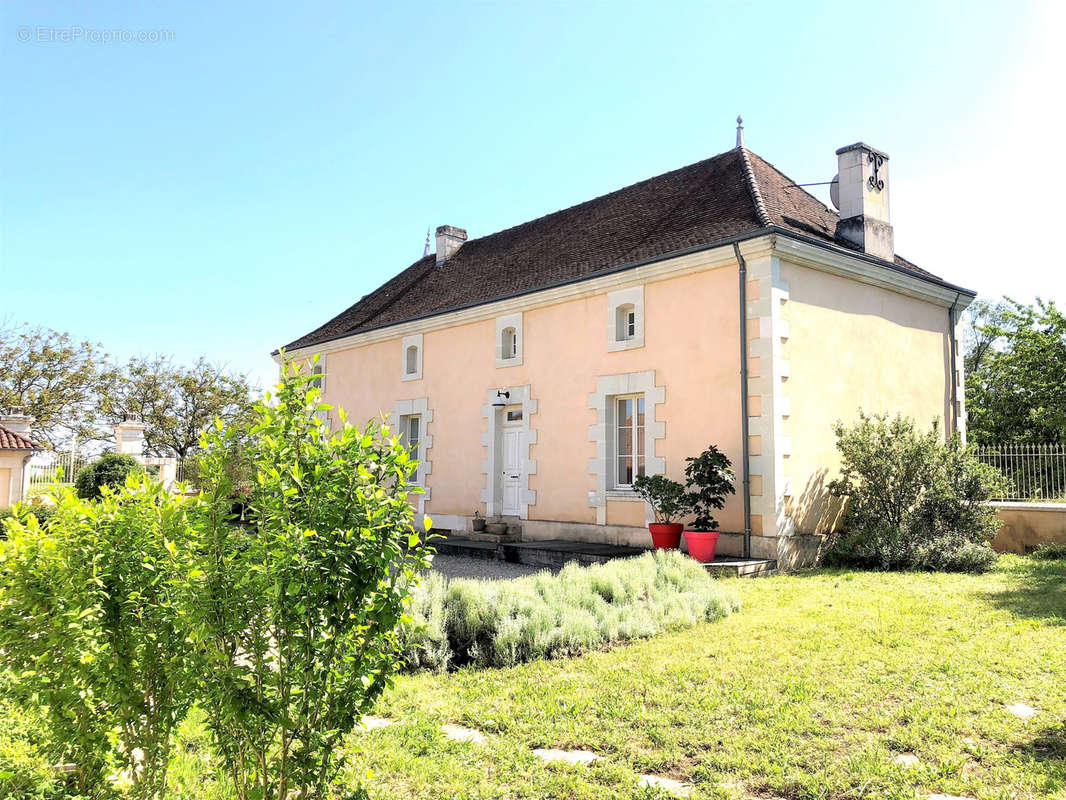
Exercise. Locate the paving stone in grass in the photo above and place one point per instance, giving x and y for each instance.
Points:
(1022, 711)
(457, 733)
(569, 756)
(907, 760)
(668, 785)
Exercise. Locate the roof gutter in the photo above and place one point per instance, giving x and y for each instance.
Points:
(725, 242)
(742, 269)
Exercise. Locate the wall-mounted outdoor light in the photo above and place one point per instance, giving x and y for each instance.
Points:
(501, 399)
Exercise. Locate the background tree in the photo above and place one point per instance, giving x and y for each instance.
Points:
(176, 403)
(1015, 391)
(981, 323)
(56, 379)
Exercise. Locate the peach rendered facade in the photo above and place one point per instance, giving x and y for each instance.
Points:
(828, 334)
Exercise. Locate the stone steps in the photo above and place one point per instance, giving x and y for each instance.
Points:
(554, 553)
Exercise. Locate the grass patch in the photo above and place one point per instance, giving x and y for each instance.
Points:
(810, 693)
(807, 695)
(504, 623)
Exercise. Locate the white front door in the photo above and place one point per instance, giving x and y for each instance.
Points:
(512, 469)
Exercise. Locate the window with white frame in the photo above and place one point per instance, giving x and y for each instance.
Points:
(629, 442)
(509, 340)
(412, 357)
(625, 327)
(411, 432)
(318, 379)
(625, 319)
(509, 344)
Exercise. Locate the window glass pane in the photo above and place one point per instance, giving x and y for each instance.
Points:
(625, 471)
(640, 465)
(639, 436)
(631, 324)
(514, 415)
(412, 360)
(625, 412)
(640, 410)
(625, 441)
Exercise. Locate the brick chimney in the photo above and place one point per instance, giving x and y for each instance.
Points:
(862, 197)
(449, 239)
(16, 419)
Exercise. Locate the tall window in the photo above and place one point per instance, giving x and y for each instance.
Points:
(412, 360)
(509, 343)
(625, 326)
(630, 452)
(412, 433)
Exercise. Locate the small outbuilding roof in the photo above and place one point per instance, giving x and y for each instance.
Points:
(13, 440)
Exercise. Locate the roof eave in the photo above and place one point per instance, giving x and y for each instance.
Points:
(931, 279)
(724, 242)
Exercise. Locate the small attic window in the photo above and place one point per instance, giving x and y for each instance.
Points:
(625, 326)
(509, 340)
(318, 372)
(509, 344)
(625, 319)
(412, 358)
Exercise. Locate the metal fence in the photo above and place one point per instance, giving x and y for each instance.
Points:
(188, 471)
(1037, 472)
(52, 467)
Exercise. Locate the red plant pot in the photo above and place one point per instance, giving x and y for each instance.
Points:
(702, 544)
(665, 537)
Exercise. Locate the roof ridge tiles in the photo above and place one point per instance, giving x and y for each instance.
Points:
(753, 187)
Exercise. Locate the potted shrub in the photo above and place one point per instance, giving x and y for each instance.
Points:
(668, 502)
(708, 479)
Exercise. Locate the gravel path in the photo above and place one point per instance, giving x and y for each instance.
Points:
(460, 567)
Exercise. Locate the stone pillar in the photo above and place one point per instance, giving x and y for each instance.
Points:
(129, 437)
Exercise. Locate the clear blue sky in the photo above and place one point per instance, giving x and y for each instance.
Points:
(228, 188)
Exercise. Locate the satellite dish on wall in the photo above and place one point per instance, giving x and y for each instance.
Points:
(834, 192)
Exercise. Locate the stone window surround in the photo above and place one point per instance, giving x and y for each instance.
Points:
(509, 321)
(492, 494)
(634, 296)
(607, 388)
(419, 406)
(414, 340)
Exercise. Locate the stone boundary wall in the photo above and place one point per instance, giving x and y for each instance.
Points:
(1027, 525)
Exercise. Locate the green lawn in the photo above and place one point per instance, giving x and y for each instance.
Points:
(809, 692)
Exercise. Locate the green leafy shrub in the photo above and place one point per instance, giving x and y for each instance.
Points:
(26, 771)
(914, 500)
(20, 511)
(295, 614)
(503, 623)
(91, 626)
(666, 497)
(110, 469)
(708, 479)
(1050, 551)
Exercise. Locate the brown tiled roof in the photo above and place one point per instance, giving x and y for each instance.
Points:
(13, 440)
(727, 196)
